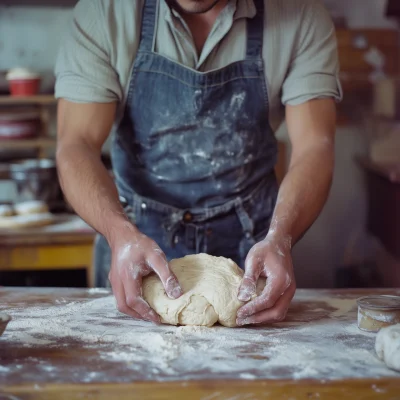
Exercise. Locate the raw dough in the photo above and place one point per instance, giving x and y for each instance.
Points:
(31, 207)
(210, 285)
(387, 346)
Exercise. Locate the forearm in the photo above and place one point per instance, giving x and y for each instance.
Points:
(303, 192)
(89, 189)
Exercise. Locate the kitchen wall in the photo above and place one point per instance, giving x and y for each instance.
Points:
(362, 13)
(30, 36)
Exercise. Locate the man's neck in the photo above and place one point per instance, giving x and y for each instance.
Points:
(201, 25)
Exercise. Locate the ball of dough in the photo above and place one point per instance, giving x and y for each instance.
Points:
(31, 207)
(387, 346)
(6, 210)
(210, 288)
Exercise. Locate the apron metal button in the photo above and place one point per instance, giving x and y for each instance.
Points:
(123, 201)
(144, 206)
(187, 217)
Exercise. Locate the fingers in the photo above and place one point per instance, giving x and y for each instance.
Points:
(131, 264)
(248, 286)
(158, 262)
(274, 314)
(274, 288)
(132, 283)
(119, 294)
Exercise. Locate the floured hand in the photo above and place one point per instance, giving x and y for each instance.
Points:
(135, 256)
(270, 258)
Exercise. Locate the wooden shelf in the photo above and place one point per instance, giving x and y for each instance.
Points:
(44, 99)
(28, 143)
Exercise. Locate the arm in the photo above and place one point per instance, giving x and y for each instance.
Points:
(304, 191)
(301, 198)
(82, 131)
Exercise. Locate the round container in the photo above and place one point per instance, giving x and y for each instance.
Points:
(23, 82)
(37, 180)
(19, 124)
(24, 87)
(376, 312)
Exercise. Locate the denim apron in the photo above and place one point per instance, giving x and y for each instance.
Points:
(194, 154)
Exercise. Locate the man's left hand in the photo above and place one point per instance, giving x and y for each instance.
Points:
(271, 259)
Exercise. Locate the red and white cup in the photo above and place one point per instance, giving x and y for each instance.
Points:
(23, 82)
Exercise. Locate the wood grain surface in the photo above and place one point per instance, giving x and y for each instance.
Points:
(37, 363)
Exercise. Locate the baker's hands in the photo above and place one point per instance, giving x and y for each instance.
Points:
(135, 256)
(271, 259)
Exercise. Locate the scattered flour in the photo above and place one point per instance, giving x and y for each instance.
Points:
(319, 340)
(98, 291)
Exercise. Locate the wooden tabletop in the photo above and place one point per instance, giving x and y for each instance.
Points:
(72, 343)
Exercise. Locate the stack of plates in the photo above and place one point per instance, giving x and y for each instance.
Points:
(19, 124)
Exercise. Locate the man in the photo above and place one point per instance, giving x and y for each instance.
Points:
(190, 87)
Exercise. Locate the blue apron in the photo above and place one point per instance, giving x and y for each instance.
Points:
(194, 154)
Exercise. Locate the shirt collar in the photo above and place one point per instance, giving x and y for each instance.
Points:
(243, 9)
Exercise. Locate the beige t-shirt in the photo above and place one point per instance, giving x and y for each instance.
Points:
(299, 49)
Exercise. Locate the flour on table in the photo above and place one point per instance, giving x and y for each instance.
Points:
(324, 347)
(210, 289)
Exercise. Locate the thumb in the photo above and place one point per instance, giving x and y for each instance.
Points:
(170, 282)
(248, 287)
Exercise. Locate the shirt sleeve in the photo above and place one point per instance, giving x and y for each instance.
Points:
(83, 70)
(314, 69)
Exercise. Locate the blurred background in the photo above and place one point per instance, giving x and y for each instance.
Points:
(354, 243)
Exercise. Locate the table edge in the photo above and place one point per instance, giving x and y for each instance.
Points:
(301, 389)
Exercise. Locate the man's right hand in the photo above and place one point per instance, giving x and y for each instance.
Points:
(135, 256)
(89, 188)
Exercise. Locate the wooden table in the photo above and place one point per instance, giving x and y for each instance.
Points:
(67, 244)
(73, 344)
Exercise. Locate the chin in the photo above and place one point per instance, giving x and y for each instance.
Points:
(193, 6)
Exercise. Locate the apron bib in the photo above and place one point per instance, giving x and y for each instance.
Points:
(194, 154)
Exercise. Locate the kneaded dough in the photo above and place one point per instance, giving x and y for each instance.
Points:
(387, 346)
(210, 285)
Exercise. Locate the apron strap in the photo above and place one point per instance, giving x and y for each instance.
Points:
(255, 32)
(149, 20)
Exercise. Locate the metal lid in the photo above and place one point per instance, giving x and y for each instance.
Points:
(381, 302)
